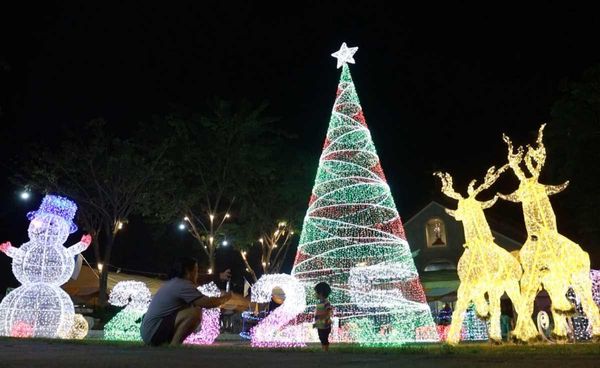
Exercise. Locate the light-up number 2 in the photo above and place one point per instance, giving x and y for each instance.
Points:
(125, 325)
(274, 330)
(210, 327)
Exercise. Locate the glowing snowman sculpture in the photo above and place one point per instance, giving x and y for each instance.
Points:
(39, 307)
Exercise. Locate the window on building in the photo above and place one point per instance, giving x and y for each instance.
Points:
(435, 229)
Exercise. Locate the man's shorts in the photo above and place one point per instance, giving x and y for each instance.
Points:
(166, 330)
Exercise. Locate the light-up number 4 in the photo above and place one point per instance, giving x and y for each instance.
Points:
(275, 330)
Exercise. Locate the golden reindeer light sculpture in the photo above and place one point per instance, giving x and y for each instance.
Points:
(484, 267)
(549, 260)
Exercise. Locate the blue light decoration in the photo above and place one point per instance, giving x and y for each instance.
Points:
(249, 320)
(59, 206)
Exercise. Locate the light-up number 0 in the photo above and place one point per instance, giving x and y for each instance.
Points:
(210, 327)
(274, 330)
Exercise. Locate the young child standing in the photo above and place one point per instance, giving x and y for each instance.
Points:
(323, 312)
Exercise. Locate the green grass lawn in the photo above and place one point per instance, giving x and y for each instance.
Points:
(484, 349)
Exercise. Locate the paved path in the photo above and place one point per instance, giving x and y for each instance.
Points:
(35, 353)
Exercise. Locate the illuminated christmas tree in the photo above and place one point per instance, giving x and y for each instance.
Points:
(353, 238)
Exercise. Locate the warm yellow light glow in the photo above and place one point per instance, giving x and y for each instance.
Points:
(226, 215)
(186, 218)
(100, 267)
(484, 267)
(80, 328)
(119, 225)
(282, 224)
(212, 217)
(211, 239)
(549, 260)
(260, 240)
(276, 232)
(210, 271)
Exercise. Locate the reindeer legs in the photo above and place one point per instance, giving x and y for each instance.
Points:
(464, 297)
(495, 332)
(525, 329)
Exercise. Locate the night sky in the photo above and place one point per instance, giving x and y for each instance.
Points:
(438, 85)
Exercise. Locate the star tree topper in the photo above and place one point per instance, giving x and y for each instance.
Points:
(344, 55)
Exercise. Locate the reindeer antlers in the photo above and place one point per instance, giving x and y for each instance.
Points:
(447, 188)
(537, 154)
(490, 178)
(514, 159)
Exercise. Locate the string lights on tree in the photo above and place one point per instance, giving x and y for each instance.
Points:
(549, 259)
(205, 229)
(39, 307)
(353, 238)
(273, 248)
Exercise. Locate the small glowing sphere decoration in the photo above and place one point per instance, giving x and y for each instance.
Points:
(80, 328)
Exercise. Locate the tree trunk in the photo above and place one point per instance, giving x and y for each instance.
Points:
(211, 262)
(103, 292)
(103, 295)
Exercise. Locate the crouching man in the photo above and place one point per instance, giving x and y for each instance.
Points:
(176, 309)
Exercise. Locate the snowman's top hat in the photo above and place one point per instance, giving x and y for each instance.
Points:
(59, 206)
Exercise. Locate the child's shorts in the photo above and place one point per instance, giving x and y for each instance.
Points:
(324, 335)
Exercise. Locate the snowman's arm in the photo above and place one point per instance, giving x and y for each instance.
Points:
(77, 248)
(15, 252)
(11, 251)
